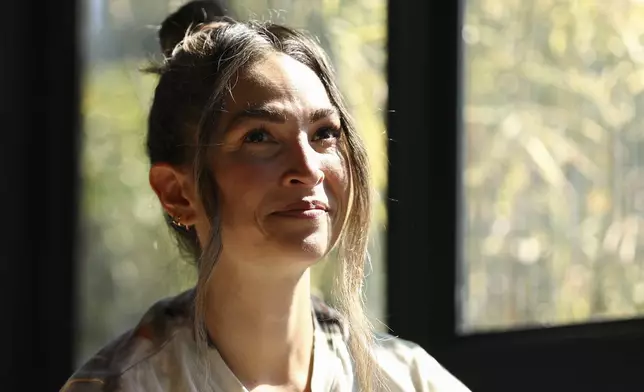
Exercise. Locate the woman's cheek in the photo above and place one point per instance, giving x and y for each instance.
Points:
(337, 181)
(339, 169)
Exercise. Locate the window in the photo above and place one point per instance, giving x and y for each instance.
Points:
(553, 163)
(459, 87)
(127, 259)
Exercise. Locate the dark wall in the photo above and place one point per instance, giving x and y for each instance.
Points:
(38, 99)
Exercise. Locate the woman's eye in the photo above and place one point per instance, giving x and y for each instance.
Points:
(257, 136)
(327, 133)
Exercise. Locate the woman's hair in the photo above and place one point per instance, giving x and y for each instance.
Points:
(203, 54)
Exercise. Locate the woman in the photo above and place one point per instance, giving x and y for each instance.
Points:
(261, 173)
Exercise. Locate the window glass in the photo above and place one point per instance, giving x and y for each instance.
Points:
(553, 162)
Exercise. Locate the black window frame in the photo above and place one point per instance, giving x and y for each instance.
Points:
(423, 252)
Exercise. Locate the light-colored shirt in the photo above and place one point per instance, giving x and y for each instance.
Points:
(160, 355)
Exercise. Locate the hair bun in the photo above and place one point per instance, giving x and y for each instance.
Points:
(174, 27)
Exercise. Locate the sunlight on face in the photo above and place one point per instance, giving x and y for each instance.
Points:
(281, 177)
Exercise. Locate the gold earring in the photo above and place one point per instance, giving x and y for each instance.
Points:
(177, 222)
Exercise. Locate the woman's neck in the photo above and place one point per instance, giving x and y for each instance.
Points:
(262, 325)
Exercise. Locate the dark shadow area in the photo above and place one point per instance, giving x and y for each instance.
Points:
(38, 154)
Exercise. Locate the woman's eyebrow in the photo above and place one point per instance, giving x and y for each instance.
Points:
(277, 116)
(322, 113)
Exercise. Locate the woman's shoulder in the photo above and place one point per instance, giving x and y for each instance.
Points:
(104, 370)
(408, 366)
(405, 365)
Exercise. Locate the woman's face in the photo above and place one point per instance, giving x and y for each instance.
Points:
(283, 186)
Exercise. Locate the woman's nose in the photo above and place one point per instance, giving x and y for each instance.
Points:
(305, 166)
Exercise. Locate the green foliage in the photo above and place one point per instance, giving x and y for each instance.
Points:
(553, 174)
(129, 259)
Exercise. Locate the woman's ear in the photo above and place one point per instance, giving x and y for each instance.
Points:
(176, 191)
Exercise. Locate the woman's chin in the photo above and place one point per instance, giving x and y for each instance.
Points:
(309, 250)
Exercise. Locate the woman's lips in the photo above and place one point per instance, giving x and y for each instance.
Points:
(302, 214)
(305, 209)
